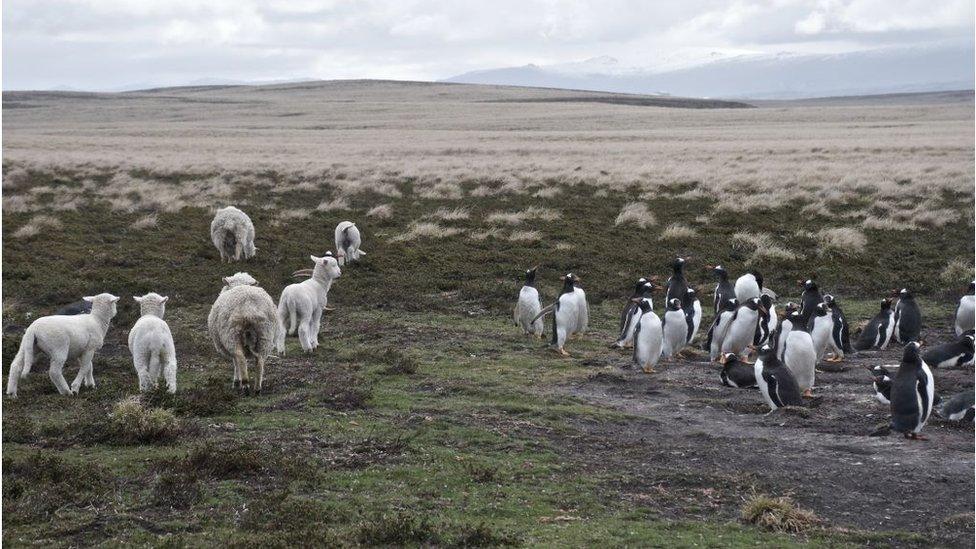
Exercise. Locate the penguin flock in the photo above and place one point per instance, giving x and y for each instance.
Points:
(786, 346)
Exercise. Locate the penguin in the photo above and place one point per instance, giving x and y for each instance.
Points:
(840, 336)
(736, 373)
(742, 330)
(957, 353)
(675, 328)
(583, 308)
(767, 321)
(784, 328)
(908, 317)
(809, 299)
(528, 306)
(775, 382)
(881, 380)
(799, 356)
(648, 339)
(879, 329)
(347, 241)
(822, 330)
(693, 313)
(566, 314)
(632, 313)
(966, 311)
(961, 407)
(912, 394)
(724, 290)
(676, 284)
(719, 328)
(748, 286)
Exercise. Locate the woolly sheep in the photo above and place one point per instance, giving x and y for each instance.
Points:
(347, 241)
(151, 344)
(243, 323)
(301, 304)
(64, 338)
(233, 234)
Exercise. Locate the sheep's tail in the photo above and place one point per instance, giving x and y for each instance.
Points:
(154, 366)
(20, 367)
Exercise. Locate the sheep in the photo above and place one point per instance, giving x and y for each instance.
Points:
(301, 304)
(348, 241)
(151, 344)
(63, 338)
(232, 232)
(243, 322)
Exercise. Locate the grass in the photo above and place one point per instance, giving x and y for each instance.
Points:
(778, 514)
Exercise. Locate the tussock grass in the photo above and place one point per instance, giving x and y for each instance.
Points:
(451, 214)
(844, 241)
(15, 178)
(37, 225)
(958, 272)
(145, 222)
(135, 423)
(635, 213)
(336, 204)
(383, 211)
(492, 232)
(525, 236)
(439, 191)
(777, 514)
(423, 229)
(762, 246)
(516, 218)
(677, 231)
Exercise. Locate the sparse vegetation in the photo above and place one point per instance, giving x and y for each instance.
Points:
(779, 514)
(636, 213)
(843, 241)
(36, 225)
(677, 231)
(426, 230)
(135, 423)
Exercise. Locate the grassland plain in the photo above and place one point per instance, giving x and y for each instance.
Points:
(424, 418)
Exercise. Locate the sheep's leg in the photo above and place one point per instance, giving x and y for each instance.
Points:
(90, 378)
(56, 375)
(85, 368)
(169, 371)
(237, 373)
(238, 250)
(304, 327)
(242, 360)
(154, 368)
(259, 360)
(316, 326)
(139, 363)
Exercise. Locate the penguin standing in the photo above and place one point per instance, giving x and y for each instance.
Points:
(912, 394)
(908, 318)
(724, 290)
(799, 357)
(528, 306)
(790, 313)
(961, 407)
(955, 354)
(966, 311)
(676, 284)
(748, 286)
(693, 313)
(776, 383)
(566, 314)
(742, 330)
(719, 328)
(583, 308)
(767, 321)
(675, 327)
(840, 336)
(881, 380)
(822, 330)
(879, 329)
(648, 339)
(347, 241)
(736, 373)
(632, 313)
(809, 299)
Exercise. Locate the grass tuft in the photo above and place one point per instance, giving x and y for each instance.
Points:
(777, 514)
(135, 423)
(636, 213)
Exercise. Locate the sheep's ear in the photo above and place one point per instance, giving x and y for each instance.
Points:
(89, 298)
(226, 280)
(315, 259)
(137, 298)
(114, 298)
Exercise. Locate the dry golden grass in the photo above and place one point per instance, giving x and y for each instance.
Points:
(335, 204)
(958, 272)
(36, 225)
(763, 247)
(383, 211)
(451, 214)
(145, 222)
(778, 514)
(841, 241)
(425, 230)
(525, 236)
(677, 231)
(635, 213)
(516, 218)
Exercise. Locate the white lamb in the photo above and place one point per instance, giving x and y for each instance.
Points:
(64, 338)
(347, 241)
(232, 232)
(151, 344)
(243, 323)
(301, 305)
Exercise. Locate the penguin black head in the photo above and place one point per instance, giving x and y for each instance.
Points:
(569, 282)
(645, 290)
(759, 277)
(752, 303)
(730, 304)
(911, 355)
(766, 300)
(728, 359)
(678, 265)
(828, 300)
(767, 352)
(719, 272)
(967, 341)
(886, 304)
(639, 284)
(903, 293)
(791, 308)
(645, 307)
(808, 285)
(821, 309)
(972, 288)
(691, 295)
(530, 276)
(674, 304)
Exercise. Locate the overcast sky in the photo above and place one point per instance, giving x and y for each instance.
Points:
(108, 44)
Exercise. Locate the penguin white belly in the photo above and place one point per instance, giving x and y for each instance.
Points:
(566, 319)
(527, 308)
(823, 327)
(786, 328)
(583, 310)
(925, 408)
(773, 319)
(718, 335)
(630, 326)
(648, 341)
(696, 320)
(885, 338)
(741, 332)
(675, 332)
(761, 383)
(966, 314)
(801, 359)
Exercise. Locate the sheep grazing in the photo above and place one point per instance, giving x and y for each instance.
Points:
(243, 324)
(233, 234)
(301, 305)
(63, 338)
(151, 344)
(347, 241)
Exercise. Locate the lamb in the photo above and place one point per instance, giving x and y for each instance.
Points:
(347, 241)
(243, 323)
(63, 338)
(151, 344)
(301, 304)
(232, 232)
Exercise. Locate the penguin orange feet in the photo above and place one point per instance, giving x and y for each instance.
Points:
(833, 358)
(915, 436)
(563, 352)
(648, 370)
(808, 393)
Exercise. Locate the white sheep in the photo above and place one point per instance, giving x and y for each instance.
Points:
(243, 323)
(151, 344)
(301, 305)
(347, 241)
(64, 338)
(232, 232)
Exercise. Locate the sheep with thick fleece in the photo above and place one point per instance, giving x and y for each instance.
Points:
(243, 323)
(301, 305)
(232, 232)
(347, 241)
(151, 344)
(63, 338)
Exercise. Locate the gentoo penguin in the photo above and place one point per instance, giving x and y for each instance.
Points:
(528, 306)
(566, 314)
(881, 380)
(675, 327)
(798, 356)
(676, 284)
(724, 290)
(912, 393)
(648, 339)
(840, 336)
(950, 355)
(775, 381)
(742, 330)
(767, 321)
(961, 407)
(628, 322)
(908, 318)
(719, 328)
(693, 313)
(966, 311)
(748, 286)
(347, 241)
(790, 316)
(877, 333)
(822, 329)
(809, 299)
(584, 307)
(736, 373)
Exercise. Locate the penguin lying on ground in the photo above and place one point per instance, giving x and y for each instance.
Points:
(742, 329)
(693, 313)
(719, 328)
(776, 383)
(912, 394)
(748, 286)
(648, 339)
(879, 329)
(950, 355)
(908, 317)
(567, 318)
(809, 299)
(840, 336)
(881, 380)
(631, 313)
(675, 327)
(966, 311)
(676, 284)
(724, 290)
(528, 306)
(961, 407)
(736, 373)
